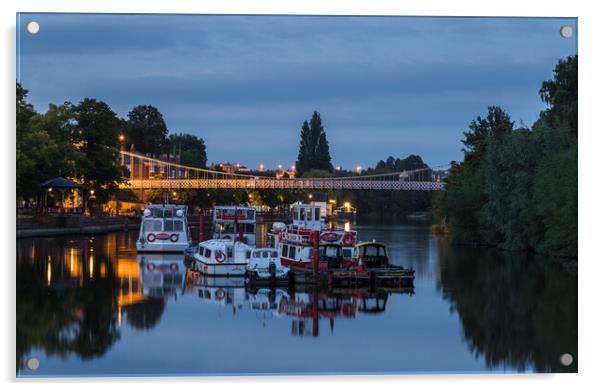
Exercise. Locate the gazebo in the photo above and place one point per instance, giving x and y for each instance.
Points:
(75, 202)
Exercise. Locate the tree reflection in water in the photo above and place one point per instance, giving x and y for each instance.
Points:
(517, 311)
(66, 301)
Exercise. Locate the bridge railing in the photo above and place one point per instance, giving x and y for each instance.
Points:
(151, 173)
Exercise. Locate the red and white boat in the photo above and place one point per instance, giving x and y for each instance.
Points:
(295, 242)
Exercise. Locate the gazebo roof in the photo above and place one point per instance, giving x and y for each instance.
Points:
(61, 183)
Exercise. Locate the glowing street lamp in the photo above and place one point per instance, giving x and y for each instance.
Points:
(261, 167)
(293, 168)
(121, 137)
(338, 168)
(358, 169)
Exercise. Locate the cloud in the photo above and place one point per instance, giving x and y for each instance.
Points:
(404, 80)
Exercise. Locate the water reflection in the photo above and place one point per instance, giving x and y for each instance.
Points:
(79, 299)
(305, 305)
(517, 311)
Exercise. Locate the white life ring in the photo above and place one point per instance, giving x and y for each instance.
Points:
(174, 237)
(151, 237)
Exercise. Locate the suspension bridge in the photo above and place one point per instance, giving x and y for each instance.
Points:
(147, 173)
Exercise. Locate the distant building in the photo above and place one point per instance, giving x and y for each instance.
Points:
(232, 167)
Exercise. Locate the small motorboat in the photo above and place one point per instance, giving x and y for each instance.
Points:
(265, 265)
(222, 257)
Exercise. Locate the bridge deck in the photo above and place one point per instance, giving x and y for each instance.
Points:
(310, 184)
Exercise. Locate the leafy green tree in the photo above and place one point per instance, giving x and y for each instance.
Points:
(146, 129)
(191, 149)
(517, 189)
(97, 138)
(561, 95)
(44, 148)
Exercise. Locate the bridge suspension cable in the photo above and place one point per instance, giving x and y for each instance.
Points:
(147, 172)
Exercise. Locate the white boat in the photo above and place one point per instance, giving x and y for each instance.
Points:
(222, 257)
(232, 222)
(265, 265)
(164, 228)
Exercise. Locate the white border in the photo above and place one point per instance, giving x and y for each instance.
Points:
(589, 168)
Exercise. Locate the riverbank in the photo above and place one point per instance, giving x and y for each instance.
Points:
(57, 225)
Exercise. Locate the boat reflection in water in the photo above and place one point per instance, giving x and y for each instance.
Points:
(163, 275)
(305, 304)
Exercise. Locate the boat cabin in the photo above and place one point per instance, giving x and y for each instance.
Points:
(230, 221)
(371, 254)
(306, 217)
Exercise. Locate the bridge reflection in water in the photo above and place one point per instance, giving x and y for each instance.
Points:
(149, 173)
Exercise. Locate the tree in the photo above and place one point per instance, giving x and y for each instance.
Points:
(97, 138)
(561, 95)
(146, 129)
(305, 150)
(190, 148)
(496, 124)
(314, 151)
(44, 148)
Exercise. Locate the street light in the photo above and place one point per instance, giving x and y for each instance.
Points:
(91, 192)
(121, 137)
(338, 168)
(358, 169)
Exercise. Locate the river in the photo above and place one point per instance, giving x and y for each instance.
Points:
(89, 306)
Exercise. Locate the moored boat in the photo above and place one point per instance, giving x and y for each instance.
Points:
(265, 266)
(296, 241)
(164, 229)
(222, 257)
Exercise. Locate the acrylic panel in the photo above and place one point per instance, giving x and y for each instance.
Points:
(295, 194)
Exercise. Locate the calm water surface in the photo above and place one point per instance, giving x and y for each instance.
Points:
(91, 306)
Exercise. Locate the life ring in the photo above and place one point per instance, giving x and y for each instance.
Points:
(220, 294)
(151, 237)
(174, 237)
(174, 267)
(150, 267)
(348, 239)
(220, 257)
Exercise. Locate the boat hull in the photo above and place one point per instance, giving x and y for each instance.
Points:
(219, 269)
(161, 247)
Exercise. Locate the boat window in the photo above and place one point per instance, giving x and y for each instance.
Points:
(152, 225)
(229, 252)
(248, 254)
(207, 253)
(317, 214)
(174, 225)
(285, 250)
(330, 251)
(249, 228)
(293, 252)
(274, 254)
(265, 254)
(347, 252)
(250, 214)
(255, 254)
(371, 251)
(201, 250)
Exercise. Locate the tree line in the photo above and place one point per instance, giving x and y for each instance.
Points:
(81, 141)
(517, 187)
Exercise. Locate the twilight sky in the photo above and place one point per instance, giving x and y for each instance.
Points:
(383, 85)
